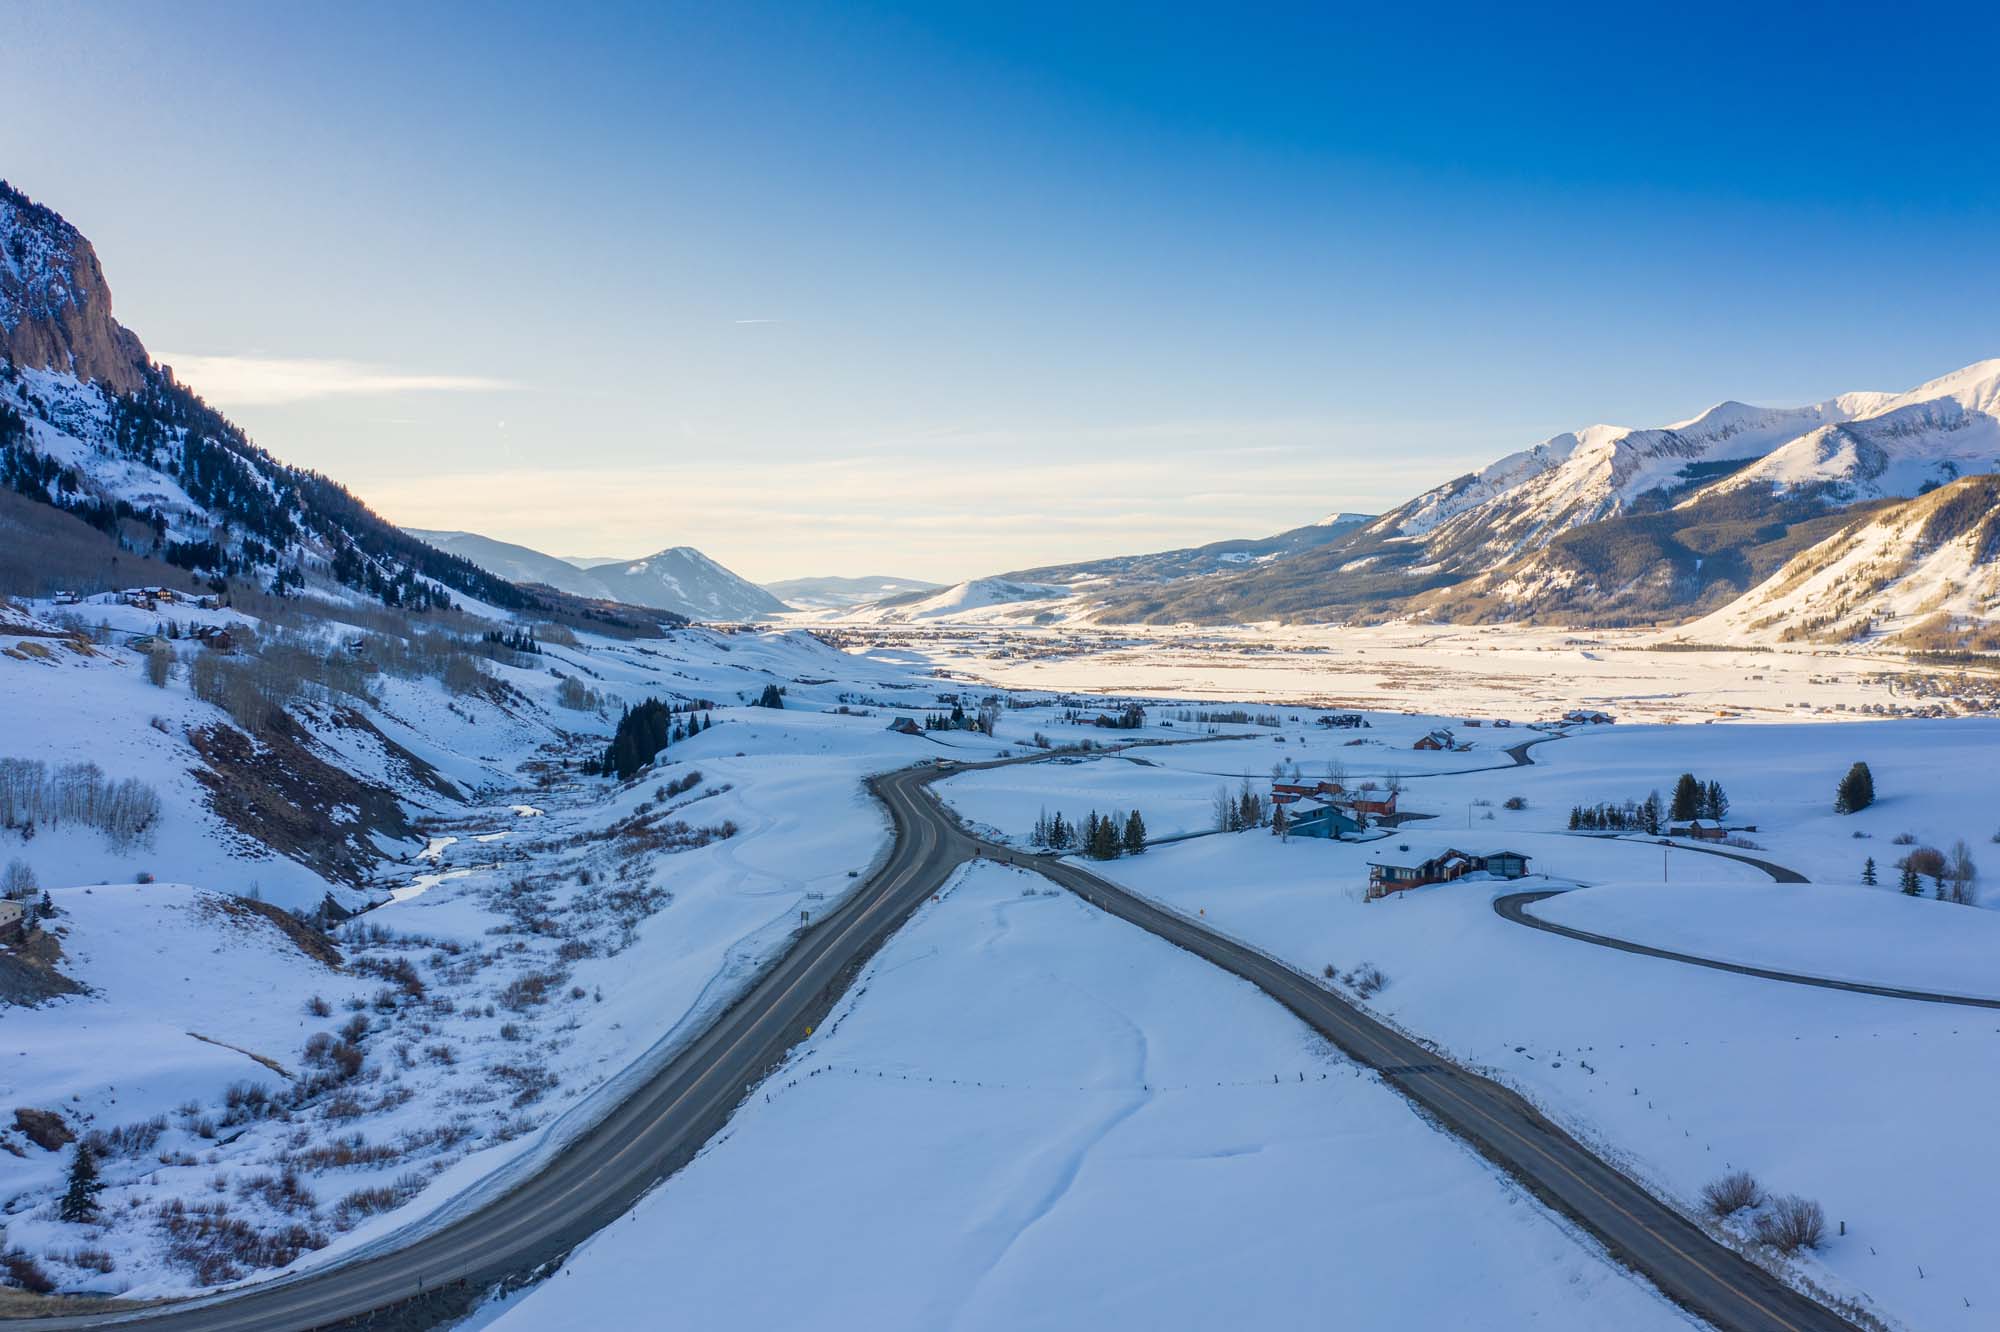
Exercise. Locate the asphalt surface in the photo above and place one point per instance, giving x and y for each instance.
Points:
(1639, 1230)
(1514, 907)
(599, 1177)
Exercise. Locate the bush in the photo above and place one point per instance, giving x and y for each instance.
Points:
(25, 1272)
(1514, 802)
(18, 879)
(1731, 1194)
(1793, 1223)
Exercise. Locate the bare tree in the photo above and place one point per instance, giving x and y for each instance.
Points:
(1960, 874)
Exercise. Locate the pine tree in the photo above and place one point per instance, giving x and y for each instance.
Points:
(1715, 801)
(79, 1201)
(1281, 824)
(1868, 872)
(1910, 884)
(1575, 817)
(1649, 814)
(1856, 792)
(48, 906)
(1135, 834)
(1059, 833)
(1687, 798)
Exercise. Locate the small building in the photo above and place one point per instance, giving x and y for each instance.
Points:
(68, 599)
(11, 914)
(1439, 739)
(1369, 803)
(1445, 867)
(214, 636)
(1321, 818)
(1698, 830)
(1285, 793)
(906, 726)
(1588, 717)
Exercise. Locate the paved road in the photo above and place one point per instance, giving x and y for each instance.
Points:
(1514, 907)
(660, 1127)
(598, 1178)
(1693, 1270)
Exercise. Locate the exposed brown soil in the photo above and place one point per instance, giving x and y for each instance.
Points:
(281, 796)
(28, 973)
(305, 938)
(45, 1128)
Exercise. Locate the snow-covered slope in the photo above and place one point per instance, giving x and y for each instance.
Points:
(683, 580)
(976, 598)
(1935, 433)
(1926, 570)
(516, 564)
(833, 593)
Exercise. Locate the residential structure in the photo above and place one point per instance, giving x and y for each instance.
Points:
(1438, 739)
(1321, 818)
(1445, 867)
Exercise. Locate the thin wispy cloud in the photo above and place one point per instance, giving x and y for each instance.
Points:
(756, 321)
(265, 380)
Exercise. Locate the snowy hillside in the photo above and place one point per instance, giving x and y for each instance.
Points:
(976, 599)
(833, 593)
(1924, 573)
(683, 580)
(516, 564)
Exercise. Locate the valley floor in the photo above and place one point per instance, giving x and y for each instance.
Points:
(1029, 1114)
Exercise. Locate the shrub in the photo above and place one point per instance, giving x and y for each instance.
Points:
(1793, 1223)
(317, 1006)
(18, 879)
(1731, 1194)
(25, 1272)
(1514, 802)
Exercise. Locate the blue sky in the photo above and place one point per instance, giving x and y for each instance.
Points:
(941, 290)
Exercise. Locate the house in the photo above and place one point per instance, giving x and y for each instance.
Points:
(906, 726)
(1502, 721)
(1380, 807)
(1321, 818)
(1698, 830)
(1445, 867)
(1474, 721)
(1439, 739)
(214, 636)
(68, 599)
(1588, 717)
(11, 915)
(1284, 793)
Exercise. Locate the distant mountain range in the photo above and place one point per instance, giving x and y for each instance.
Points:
(831, 593)
(1602, 526)
(679, 579)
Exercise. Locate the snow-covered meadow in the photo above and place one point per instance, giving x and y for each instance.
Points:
(1027, 1113)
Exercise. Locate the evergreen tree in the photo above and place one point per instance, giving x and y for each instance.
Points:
(1649, 814)
(79, 1201)
(1687, 798)
(772, 697)
(1281, 824)
(1714, 802)
(1868, 872)
(1910, 884)
(1058, 833)
(1856, 792)
(1135, 834)
(1575, 817)
(48, 906)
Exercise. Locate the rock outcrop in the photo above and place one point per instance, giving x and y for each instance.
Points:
(55, 309)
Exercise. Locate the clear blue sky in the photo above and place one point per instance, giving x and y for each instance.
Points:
(1029, 283)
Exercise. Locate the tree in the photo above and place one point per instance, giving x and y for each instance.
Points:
(1687, 798)
(1909, 883)
(48, 906)
(1868, 872)
(1135, 834)
(774, 697)
(1856, 791)
(18, 879)
(1714, 802)
(1960, 873)
(1575, 817)
(1929, 862)
(79, 1201)
(1649, 814)
(1227, 811)
(1281, 823)
(159, 666)
(1059, 833)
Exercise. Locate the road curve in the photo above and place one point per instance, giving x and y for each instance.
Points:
(1514, 906)
(598, 1178)
(1639, 1230)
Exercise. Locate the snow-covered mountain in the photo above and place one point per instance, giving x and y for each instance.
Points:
(683, 580)
(977, 599)
(834, 593)
(1921, 573)
(1611, 523)
(516, 564)
(679, 579)
(90, 427)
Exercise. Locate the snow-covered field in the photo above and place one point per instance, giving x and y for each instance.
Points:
(1029, 1114)
(1683, 1072)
